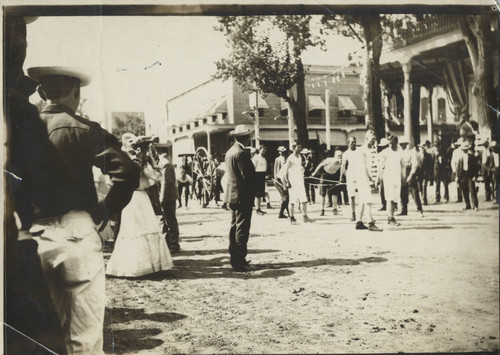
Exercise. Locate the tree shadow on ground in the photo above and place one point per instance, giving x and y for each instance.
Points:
(130, 340)
(320, 262)
(123, 315)
(220, 268)
(189, 269)
(197, 221)
(220, 251)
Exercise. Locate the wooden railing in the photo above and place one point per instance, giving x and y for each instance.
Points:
(427, 28)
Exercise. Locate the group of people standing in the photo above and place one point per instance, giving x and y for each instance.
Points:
(54, 218)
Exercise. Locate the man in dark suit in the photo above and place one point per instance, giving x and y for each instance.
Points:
(239, 194)
(467, 171)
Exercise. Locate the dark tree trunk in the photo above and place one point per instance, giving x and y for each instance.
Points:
(415, 114)
(482, 45)
(484, 90)
(373, 94)
(299, 110)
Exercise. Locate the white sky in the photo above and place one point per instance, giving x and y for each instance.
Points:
(116, 51)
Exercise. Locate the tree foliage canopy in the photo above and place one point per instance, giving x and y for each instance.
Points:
(266, 51)
(132, 122)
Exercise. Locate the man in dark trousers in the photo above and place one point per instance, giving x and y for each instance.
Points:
(168, 198)
(239, 195)
(69, 246)
(467, 171)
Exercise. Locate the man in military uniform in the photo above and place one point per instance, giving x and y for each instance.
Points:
(69, 246)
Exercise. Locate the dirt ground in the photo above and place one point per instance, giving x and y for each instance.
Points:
(429, 285)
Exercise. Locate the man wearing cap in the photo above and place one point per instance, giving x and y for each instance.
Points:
(239, 194)
(467, 171)
(69, 246)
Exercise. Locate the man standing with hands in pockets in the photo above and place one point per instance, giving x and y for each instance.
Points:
(239, 195)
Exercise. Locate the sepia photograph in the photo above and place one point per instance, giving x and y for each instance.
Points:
(250, 177)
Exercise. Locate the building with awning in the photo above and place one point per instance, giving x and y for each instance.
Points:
(204, 115)
(430, 81)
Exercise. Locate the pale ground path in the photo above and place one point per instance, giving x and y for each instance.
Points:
(429, 285)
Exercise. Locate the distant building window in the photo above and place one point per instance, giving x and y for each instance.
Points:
(204, 120)
(196, 124)
(261, 112)
(344, 113)
(315, 113)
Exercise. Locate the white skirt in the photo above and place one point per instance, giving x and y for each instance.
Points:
(140, 248)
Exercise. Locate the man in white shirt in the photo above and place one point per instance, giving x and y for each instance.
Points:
(457, 153)
(260, 163)
(364, 182)
(391, 161)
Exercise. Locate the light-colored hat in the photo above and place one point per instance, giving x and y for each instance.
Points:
(281, 149)
(305, 151)
(38, 73)
(241, 130)
(383, 142)
(403, 140)
(493, 144)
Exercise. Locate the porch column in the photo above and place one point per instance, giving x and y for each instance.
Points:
(327, 118)
(209, 145)
(430, 90)
(407, 102)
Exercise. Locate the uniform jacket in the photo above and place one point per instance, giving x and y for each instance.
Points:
(81, 144)
(240, 175)
(168, 190)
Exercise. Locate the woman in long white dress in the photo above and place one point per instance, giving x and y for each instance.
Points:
(140, 247)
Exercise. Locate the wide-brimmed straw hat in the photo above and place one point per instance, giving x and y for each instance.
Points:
(281, 149)
(39, 73)
(241, 130)
(305, 151)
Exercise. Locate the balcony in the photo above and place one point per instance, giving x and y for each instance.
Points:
(427, 28)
